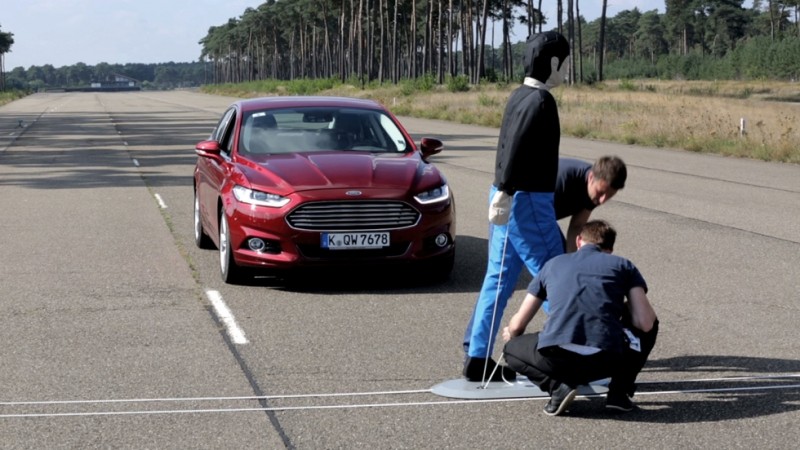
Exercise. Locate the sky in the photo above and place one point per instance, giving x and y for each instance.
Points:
(66, 32)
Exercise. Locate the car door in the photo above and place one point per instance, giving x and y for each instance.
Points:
(212, 171)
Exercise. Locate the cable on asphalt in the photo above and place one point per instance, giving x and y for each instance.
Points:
(366, 405)
(363, 394)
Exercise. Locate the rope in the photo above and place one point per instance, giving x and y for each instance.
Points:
(502, 375)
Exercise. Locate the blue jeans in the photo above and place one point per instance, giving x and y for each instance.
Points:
(530, 238)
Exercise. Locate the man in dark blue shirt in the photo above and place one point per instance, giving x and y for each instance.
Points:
(591, 332)
(579, 188)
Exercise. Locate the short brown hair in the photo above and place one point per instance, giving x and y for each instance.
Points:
(599, 232)
(612, 170)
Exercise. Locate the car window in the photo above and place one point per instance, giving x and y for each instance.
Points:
(222, 125)
(394, 133)
(223, 132)
(226, 134)
(316, 129)
(255, 136)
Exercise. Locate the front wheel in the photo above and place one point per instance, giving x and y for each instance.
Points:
(230, 272)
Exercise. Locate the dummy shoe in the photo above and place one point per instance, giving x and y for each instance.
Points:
(474, 370)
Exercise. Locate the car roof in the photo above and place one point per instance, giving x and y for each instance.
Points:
(261, 103)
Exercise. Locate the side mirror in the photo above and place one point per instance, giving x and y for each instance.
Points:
(209, 149)
(430, 147)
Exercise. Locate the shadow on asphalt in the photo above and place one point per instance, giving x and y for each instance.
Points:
(727, 398)
(705, 364)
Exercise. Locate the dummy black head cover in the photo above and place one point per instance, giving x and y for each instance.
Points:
(540, 49)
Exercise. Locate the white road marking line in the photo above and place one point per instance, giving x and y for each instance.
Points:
(367, 405)
(226, 317)
(160, 201)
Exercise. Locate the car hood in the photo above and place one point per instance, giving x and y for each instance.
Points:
(330, 170)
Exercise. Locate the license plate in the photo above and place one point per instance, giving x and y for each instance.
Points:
(357, 240)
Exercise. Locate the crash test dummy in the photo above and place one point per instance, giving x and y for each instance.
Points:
(523, 228)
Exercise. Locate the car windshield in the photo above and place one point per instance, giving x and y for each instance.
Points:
(315, 129)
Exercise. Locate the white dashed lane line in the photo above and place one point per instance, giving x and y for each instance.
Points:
(225, 316)
(160, 201)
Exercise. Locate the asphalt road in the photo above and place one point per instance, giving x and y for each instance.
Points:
(110, 340)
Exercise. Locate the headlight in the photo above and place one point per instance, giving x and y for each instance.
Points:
(439, 194)
(259, 198)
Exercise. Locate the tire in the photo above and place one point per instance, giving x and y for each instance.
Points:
(230, 272)
(201, 239)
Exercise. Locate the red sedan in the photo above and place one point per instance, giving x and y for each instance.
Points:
(293, 182)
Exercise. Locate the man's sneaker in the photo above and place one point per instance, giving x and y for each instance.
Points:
(560, 399)
(474, 369)
(618, 401)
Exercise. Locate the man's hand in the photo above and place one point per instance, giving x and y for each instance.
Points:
(500, 208)
(507, 334)
(520, 320)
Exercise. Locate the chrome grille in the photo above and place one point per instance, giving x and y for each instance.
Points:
(353, 216)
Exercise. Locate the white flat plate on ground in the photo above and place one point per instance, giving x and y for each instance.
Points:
(521, 388)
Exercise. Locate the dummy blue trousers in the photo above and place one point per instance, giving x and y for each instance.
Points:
(530, 238)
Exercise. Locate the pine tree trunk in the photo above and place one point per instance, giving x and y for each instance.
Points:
(395, 57)
(602, 43)
(580, 41)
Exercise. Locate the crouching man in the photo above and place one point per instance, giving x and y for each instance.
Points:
(592, 332)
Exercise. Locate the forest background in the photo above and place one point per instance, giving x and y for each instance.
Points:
(411, 54)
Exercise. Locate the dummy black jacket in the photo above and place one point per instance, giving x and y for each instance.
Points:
(527, 150)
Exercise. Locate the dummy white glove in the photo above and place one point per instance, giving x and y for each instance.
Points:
(500, 208)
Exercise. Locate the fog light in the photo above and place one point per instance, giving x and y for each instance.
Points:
(256, 244)
(441, 240)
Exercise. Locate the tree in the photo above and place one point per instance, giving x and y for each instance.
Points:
(650, 36)
(6, 41)
(580, 40)
(678, 24)
(389, 40)
(620, 33)
(602, 41)
(571, 39)
(726, 23)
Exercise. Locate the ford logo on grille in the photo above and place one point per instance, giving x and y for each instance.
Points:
(353, 193)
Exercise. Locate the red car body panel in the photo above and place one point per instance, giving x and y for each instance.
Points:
(305, 171)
